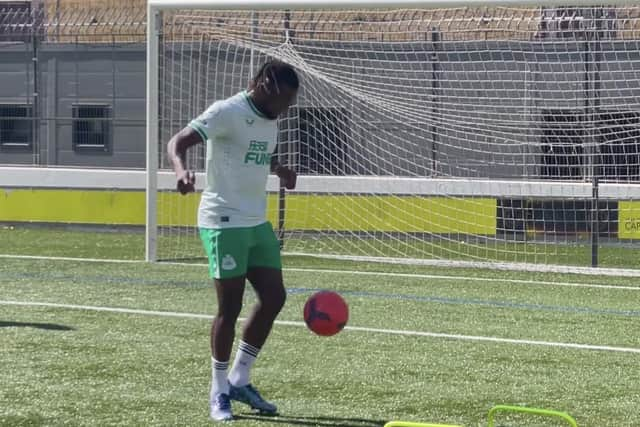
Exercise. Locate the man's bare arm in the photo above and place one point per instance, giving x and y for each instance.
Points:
(287, 176)
(177, 152)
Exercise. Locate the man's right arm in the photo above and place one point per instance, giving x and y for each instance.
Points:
(177, 152)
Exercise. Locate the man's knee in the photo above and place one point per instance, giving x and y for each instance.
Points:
(229, 313)
(276, 299)
(230, 293)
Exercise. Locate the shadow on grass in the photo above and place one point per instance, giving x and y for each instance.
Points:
(318, 421)
(45, 326)
(22, 420)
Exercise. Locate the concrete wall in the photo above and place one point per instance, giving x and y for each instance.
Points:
(69, 75)
(481, 118)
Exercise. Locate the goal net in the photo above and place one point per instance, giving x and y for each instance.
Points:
(501, 136)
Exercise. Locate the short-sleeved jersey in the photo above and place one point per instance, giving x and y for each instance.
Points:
(240, 141)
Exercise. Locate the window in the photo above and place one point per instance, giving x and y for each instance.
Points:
(617, 136)
(92, 127)
(324, 141)
(619, 133)
(561, 145)
(16, 126)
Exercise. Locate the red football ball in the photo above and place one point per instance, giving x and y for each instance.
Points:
(326, 313)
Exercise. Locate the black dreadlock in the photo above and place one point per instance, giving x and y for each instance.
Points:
(283, 73)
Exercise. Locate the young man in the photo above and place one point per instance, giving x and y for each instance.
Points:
(241, 135)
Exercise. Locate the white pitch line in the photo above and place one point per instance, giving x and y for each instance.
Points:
(62, 258)
(465, 278)
(107, 309)
(352, 272)
(351, 328)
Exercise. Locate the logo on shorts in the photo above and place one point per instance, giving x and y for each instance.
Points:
(228, 263)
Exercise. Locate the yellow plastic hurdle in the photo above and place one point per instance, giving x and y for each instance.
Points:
(491, 416)
(533, 411)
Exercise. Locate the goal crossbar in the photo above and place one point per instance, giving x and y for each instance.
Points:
(360, 4)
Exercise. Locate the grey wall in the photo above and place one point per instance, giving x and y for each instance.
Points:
(483, 119)
(77, 74)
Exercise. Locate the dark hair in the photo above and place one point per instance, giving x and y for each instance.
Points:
(283, 73)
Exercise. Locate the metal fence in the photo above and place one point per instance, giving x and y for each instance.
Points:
(72, 72)
(71, 82)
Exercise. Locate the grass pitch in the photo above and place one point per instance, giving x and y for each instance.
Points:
(428, 344)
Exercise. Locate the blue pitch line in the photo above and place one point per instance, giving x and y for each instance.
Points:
(105, 280)
(430, 299)
(483, 303)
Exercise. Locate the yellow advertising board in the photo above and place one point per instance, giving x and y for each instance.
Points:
(629, 220)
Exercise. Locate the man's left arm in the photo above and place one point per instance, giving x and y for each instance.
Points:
(287, 175)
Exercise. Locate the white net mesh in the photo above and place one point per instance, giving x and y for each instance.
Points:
(477, 134)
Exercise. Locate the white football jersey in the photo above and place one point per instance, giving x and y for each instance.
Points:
(240, 142)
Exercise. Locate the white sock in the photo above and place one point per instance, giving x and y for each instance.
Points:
(219, 381)
(246, 355)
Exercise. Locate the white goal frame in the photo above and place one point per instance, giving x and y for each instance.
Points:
(154, 20)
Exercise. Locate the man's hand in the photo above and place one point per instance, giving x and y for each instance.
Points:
(287, 176)
(177, 152)
(186, 182)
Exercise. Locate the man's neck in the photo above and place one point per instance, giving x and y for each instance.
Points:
(258, 105)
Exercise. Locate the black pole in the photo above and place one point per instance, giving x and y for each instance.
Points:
(435, 38)
(588, 158)
(593, 56)
(282, 154)
(597, 169)
(281, 213)
(35, 109)
(595, 222)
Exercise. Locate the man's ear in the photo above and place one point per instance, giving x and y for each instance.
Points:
(265, 85)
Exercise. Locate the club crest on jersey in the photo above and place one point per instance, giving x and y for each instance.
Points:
(257, 153)
(228, 263)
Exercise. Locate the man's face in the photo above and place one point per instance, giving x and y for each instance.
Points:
(280, 101)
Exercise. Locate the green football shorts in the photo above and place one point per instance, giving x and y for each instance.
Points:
(232, 251)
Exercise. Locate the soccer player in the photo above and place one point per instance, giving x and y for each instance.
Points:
(240, 134)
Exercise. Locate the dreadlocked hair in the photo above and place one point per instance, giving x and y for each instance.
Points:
(283, 73)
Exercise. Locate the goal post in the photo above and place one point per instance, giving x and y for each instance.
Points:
(153, 143)
(502, 133)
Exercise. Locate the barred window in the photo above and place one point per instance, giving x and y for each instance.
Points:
(92, 127)
(16, 126)
(323, 141)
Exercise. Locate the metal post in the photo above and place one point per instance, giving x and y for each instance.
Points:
(50, 109)
(154, 22)
(254, 28)
(593, 57)
(58, 21)
(35, 122)
(595, 221)
(435, 38)
(282, 203)
(596, 168)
